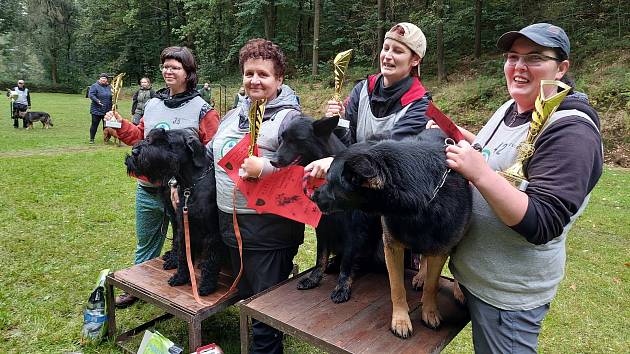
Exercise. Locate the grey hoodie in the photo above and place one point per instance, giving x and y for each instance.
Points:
(233, 128)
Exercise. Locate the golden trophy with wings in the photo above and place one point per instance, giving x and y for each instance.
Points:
(340, 67)
(544, 108)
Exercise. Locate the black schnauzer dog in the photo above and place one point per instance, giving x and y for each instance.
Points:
(424, 206)
(352, 236)
(42, 117)
(179, 153)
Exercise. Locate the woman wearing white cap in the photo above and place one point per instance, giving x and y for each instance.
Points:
(512, 259)
(392, 101)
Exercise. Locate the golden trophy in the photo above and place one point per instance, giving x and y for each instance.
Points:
(340, 66)
(117, 83)
(256, 113)
(544, 108)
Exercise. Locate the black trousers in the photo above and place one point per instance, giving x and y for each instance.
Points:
(262, 270)
(95, 121)
(17, 108)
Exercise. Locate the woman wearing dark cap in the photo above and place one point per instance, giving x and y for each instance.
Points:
(177, 106)
(511, 261)
(100, 94)
(392, 101)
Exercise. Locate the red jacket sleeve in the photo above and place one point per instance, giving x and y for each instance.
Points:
(129, 133)
(207, 126)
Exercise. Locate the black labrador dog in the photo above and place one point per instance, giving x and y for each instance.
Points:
(424, 206)
(179, 153)
(353, 236)
(42, 117)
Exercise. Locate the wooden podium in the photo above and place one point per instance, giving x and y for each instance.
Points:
(360, 325)
(149, 282)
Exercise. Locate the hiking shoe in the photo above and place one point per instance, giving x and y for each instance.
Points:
(124, 300)
(91, 142)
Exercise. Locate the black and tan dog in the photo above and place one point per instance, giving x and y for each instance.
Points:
(423, 207)
(352, 236)
(180, 154)
(42, 117)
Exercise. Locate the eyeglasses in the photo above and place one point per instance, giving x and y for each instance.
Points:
(534, 59)
(172, 69)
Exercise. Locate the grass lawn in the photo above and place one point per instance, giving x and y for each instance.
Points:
(67, 211)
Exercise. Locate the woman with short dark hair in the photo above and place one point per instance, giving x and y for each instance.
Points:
(100, 94)
(177, 106)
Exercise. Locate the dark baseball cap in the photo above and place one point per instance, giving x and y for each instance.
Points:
(544, 34)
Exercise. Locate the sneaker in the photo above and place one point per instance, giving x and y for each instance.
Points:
(124, 300)
(91, 142)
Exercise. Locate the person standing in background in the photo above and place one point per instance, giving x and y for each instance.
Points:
(21, 103)
(101, 96)
(206, 93)
(140, 98)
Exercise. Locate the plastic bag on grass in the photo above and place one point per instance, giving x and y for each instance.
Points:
(95, 314)
(156, 343)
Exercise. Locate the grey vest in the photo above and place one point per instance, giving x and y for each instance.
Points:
(367, 123)
(21, 96)
(495, 263)
(143, 97)
(157, 115)
(227, 136)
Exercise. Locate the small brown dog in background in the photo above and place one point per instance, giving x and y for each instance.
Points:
(109, 133)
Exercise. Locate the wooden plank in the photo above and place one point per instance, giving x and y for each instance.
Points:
(360, 325)
(150, 279)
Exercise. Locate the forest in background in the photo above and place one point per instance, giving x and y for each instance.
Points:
(63, 44)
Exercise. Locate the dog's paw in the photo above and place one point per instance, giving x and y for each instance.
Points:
(431, 315)
(401, 325)
(458, 294)
(418, 281)
(340, 294)
(170, 261)
(307, 283)
(178, 279)
(207, 289)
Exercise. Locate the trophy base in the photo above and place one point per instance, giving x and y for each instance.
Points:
(113, 124)
(518, 182)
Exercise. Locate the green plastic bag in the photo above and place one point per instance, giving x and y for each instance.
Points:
(156, 343)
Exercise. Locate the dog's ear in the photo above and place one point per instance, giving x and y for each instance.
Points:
(197, 149)
(324, 126)
(364, 172)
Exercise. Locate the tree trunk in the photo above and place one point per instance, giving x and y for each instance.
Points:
(300, 31)
(168, 23)
(380, 28)
(270, 20)
(478, 5)
(441, 65)
(315, 36)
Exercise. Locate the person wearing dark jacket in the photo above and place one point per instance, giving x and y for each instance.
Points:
(140, 98)
(393, 101)
(21, 97)
(100, 94)
(512, 259)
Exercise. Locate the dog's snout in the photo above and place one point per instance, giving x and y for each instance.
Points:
(135, 152)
